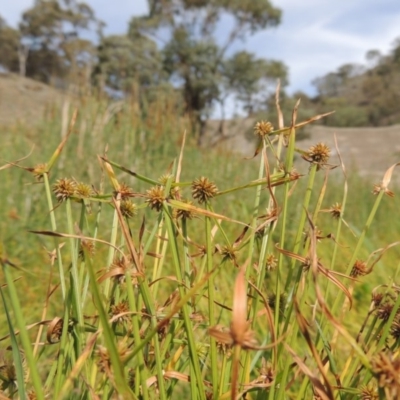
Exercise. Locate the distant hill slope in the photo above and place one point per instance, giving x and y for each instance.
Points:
(370, 150)
(23, 99)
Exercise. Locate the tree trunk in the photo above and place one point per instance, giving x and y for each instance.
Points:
(23, 52)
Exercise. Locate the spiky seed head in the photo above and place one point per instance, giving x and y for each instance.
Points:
(125, 191)
(104, 358)
(155, 197)
(185, 214)
(83, 190)
(64, 189)
(384, 310)
(174, 192)
(7, 371)
(128, 208)
(282, 302)
(294, 175)
(377, 298)
(223, 339)
(203, 189)
(228, 253)
(120, 308)
(39, 170)
(263, 128)
(336, 210)
(132, 377)
(163, 179)
(359, 269)
(379, 188)
(54, 330)
(87, 245)
(395, 328)
(104, 362)
(319, 153)
(369, 392)
(386, 369)
(266, 373)
(118, 268)
(271, 262)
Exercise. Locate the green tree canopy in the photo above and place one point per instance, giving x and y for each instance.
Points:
(124, 62)
(198, 54)
(9, 43)
(50, 31)
(362, 95)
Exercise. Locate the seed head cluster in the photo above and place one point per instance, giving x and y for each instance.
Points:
(39, 170)
(263, 128)
(64, 188)
(128, 208)
(359, 269)
(125, 191)
(185, 214)
(155, 197)
(83, 190)
(203, 189)
(319, 154)
(386, 368)
(336, 210)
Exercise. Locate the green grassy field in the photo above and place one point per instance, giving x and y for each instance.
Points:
(126, 200)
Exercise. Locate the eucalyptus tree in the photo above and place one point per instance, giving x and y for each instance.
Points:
(51, 36)
(198, 40)
(9, 42)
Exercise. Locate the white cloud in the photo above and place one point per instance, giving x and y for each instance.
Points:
(316, 37)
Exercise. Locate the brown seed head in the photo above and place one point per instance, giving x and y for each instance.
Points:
(228, 253)
(203, 189)
(379, 188)
(395, 328)
(266, 373)
(155, 197)
(125, 191)
(386, 368)
(7, 371)
(163, 179)
(377, 298)
(118, 269)
(282, 302)
(87, 245)
(83, 190)
(271, 262)
(128, 208)
(104, 362)
(318, 154)
(184, 214)
(369, 393)
(384, 310)
(119, 308)
(359, 269)
(39, 170)
(64, 188)
(336, 210)
(263, 128)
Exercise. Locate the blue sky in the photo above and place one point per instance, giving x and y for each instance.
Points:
(314, 38)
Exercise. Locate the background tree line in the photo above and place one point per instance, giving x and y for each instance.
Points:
(179, 49)
(361, 95)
